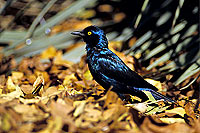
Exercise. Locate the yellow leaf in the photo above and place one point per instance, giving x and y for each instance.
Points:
(30, 101)
(133, 98)
(50, 52)
(155, 83)
(80, 105)
(6, 125)
(61, 87)
(68, 79)
(15, 94)
(59, 61)
(178, 110)
(17, 76)
(31, 79)
(172, 120)
(10, 85)
(123, 116)
(44, 74)
(87, 75)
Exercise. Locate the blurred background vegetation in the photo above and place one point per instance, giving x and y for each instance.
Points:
(163, 36)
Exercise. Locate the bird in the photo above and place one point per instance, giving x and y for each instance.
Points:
(109, 70)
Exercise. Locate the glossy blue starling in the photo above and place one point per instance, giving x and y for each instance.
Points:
(109, 70)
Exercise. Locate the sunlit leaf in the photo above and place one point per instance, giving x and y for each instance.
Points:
(178, 110)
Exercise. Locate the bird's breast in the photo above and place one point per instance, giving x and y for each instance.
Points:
(93, 63)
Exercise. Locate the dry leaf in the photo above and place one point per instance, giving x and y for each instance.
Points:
(50, 52)
(178, 110)
(16, 76)
(80, 105)
(38, 85)
(10, 85)
(172, 120)
(155, 83)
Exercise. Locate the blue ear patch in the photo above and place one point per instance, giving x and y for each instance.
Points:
(99, 32)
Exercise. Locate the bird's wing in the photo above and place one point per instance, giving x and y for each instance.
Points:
(113, 67)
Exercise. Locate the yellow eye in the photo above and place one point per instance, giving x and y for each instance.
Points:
(89, 33)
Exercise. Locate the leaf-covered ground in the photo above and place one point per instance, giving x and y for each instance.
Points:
(48, 94)
(41, 90)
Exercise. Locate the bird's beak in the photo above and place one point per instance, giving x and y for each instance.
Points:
(79, 33)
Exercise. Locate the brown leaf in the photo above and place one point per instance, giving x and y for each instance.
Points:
(61, 109)
(189, 109)
(148, 126)
(38, 84)
(26, 88)
(30, 113)
(49, 91)
(6, 63)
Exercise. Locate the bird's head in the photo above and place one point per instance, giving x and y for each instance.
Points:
(93, 36)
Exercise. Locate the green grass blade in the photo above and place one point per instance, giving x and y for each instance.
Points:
(61, 16)
(139, 42)
(11, 36)
(177, 11)
(38, 18)
(163, 58)
(193, 69)
(40, 43)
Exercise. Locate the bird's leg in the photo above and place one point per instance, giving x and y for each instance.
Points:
(122, 96)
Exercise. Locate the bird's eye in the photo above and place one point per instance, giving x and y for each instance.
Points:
(89, 33)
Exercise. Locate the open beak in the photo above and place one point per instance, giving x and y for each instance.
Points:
(79, 33)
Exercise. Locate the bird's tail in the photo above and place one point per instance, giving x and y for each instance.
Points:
(157, 95)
